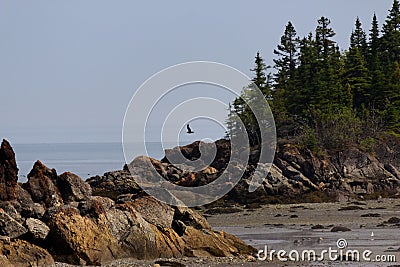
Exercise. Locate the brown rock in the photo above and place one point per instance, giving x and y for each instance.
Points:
(340, 229)
(95, 205)
(41, 185)
(190, 218)
(154, 212)
(8, 172)
(169, 243)
(113, 184)
(130, 229)
(206, 243)
(73, 188)
(22, 253)
(78, 240)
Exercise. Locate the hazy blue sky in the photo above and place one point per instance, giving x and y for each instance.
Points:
(69, 68)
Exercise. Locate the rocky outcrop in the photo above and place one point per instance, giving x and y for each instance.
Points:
(298, 172)
(79, 240)
(42, 187)
(8, 172)
(114, 184)
(72, 188)
(21, 253)
(57, 217)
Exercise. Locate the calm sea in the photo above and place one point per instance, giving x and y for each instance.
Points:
(83, 159)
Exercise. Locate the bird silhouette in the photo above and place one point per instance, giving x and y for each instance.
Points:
(189, 131)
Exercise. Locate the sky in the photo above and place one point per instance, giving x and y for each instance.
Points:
(68, 69)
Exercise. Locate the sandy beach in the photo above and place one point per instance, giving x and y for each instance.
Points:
(309, 226)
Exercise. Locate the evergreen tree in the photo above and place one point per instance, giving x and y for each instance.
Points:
(260, 78)
(373, 44)
(356, 72)
(306, 75)
(323, 38)
(377, 87)
(391, 34)
(357, 77)
(285, 64)
(287, 51)
(358, 38)
(328, 86)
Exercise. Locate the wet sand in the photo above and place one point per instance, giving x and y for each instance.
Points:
(289, 227)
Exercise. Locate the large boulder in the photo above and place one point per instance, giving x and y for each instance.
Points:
(206, 243)
(21, 253)
(41, 185)
(113, 184)
(78, 240)
(73, 188)
(8, 172)
(37, 229)
(153, 211)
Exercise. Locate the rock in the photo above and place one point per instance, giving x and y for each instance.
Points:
(21, 253)
(95, 205)
(191, 218)
(113, 184)
(340, 229)
(9, 226)
(206, 243)
(153, 211)
(318, 227)
(78, 240)
(9, 208)
(394, 220)
(8, 172)
(132, 231)
(38, 229)
(73, 188)
(170, 263)
(373, 215)
(25, 205)
(42, 187)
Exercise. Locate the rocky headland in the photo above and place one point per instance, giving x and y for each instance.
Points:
(61, 218)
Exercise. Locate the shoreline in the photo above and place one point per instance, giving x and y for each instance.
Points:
(262, 226)
(309, 226)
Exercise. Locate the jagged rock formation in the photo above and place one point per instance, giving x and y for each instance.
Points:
(8, 172)
(296, 173)
(55, 217)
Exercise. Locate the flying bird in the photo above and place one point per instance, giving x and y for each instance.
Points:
(189, 131)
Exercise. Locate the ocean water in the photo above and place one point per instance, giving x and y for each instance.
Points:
(83, 159)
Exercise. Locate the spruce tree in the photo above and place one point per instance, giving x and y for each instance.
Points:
(373, 44)
(285, 64)
(358, 38)
(391, 34)
(260, 78)
(356, 72)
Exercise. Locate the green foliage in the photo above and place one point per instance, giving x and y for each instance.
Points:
(327, 99)
(337, 129)
(368, 144)
(308, 138)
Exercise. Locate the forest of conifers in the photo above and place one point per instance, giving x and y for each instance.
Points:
(325, 97)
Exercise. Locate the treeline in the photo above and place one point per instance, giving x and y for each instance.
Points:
(324, 97)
